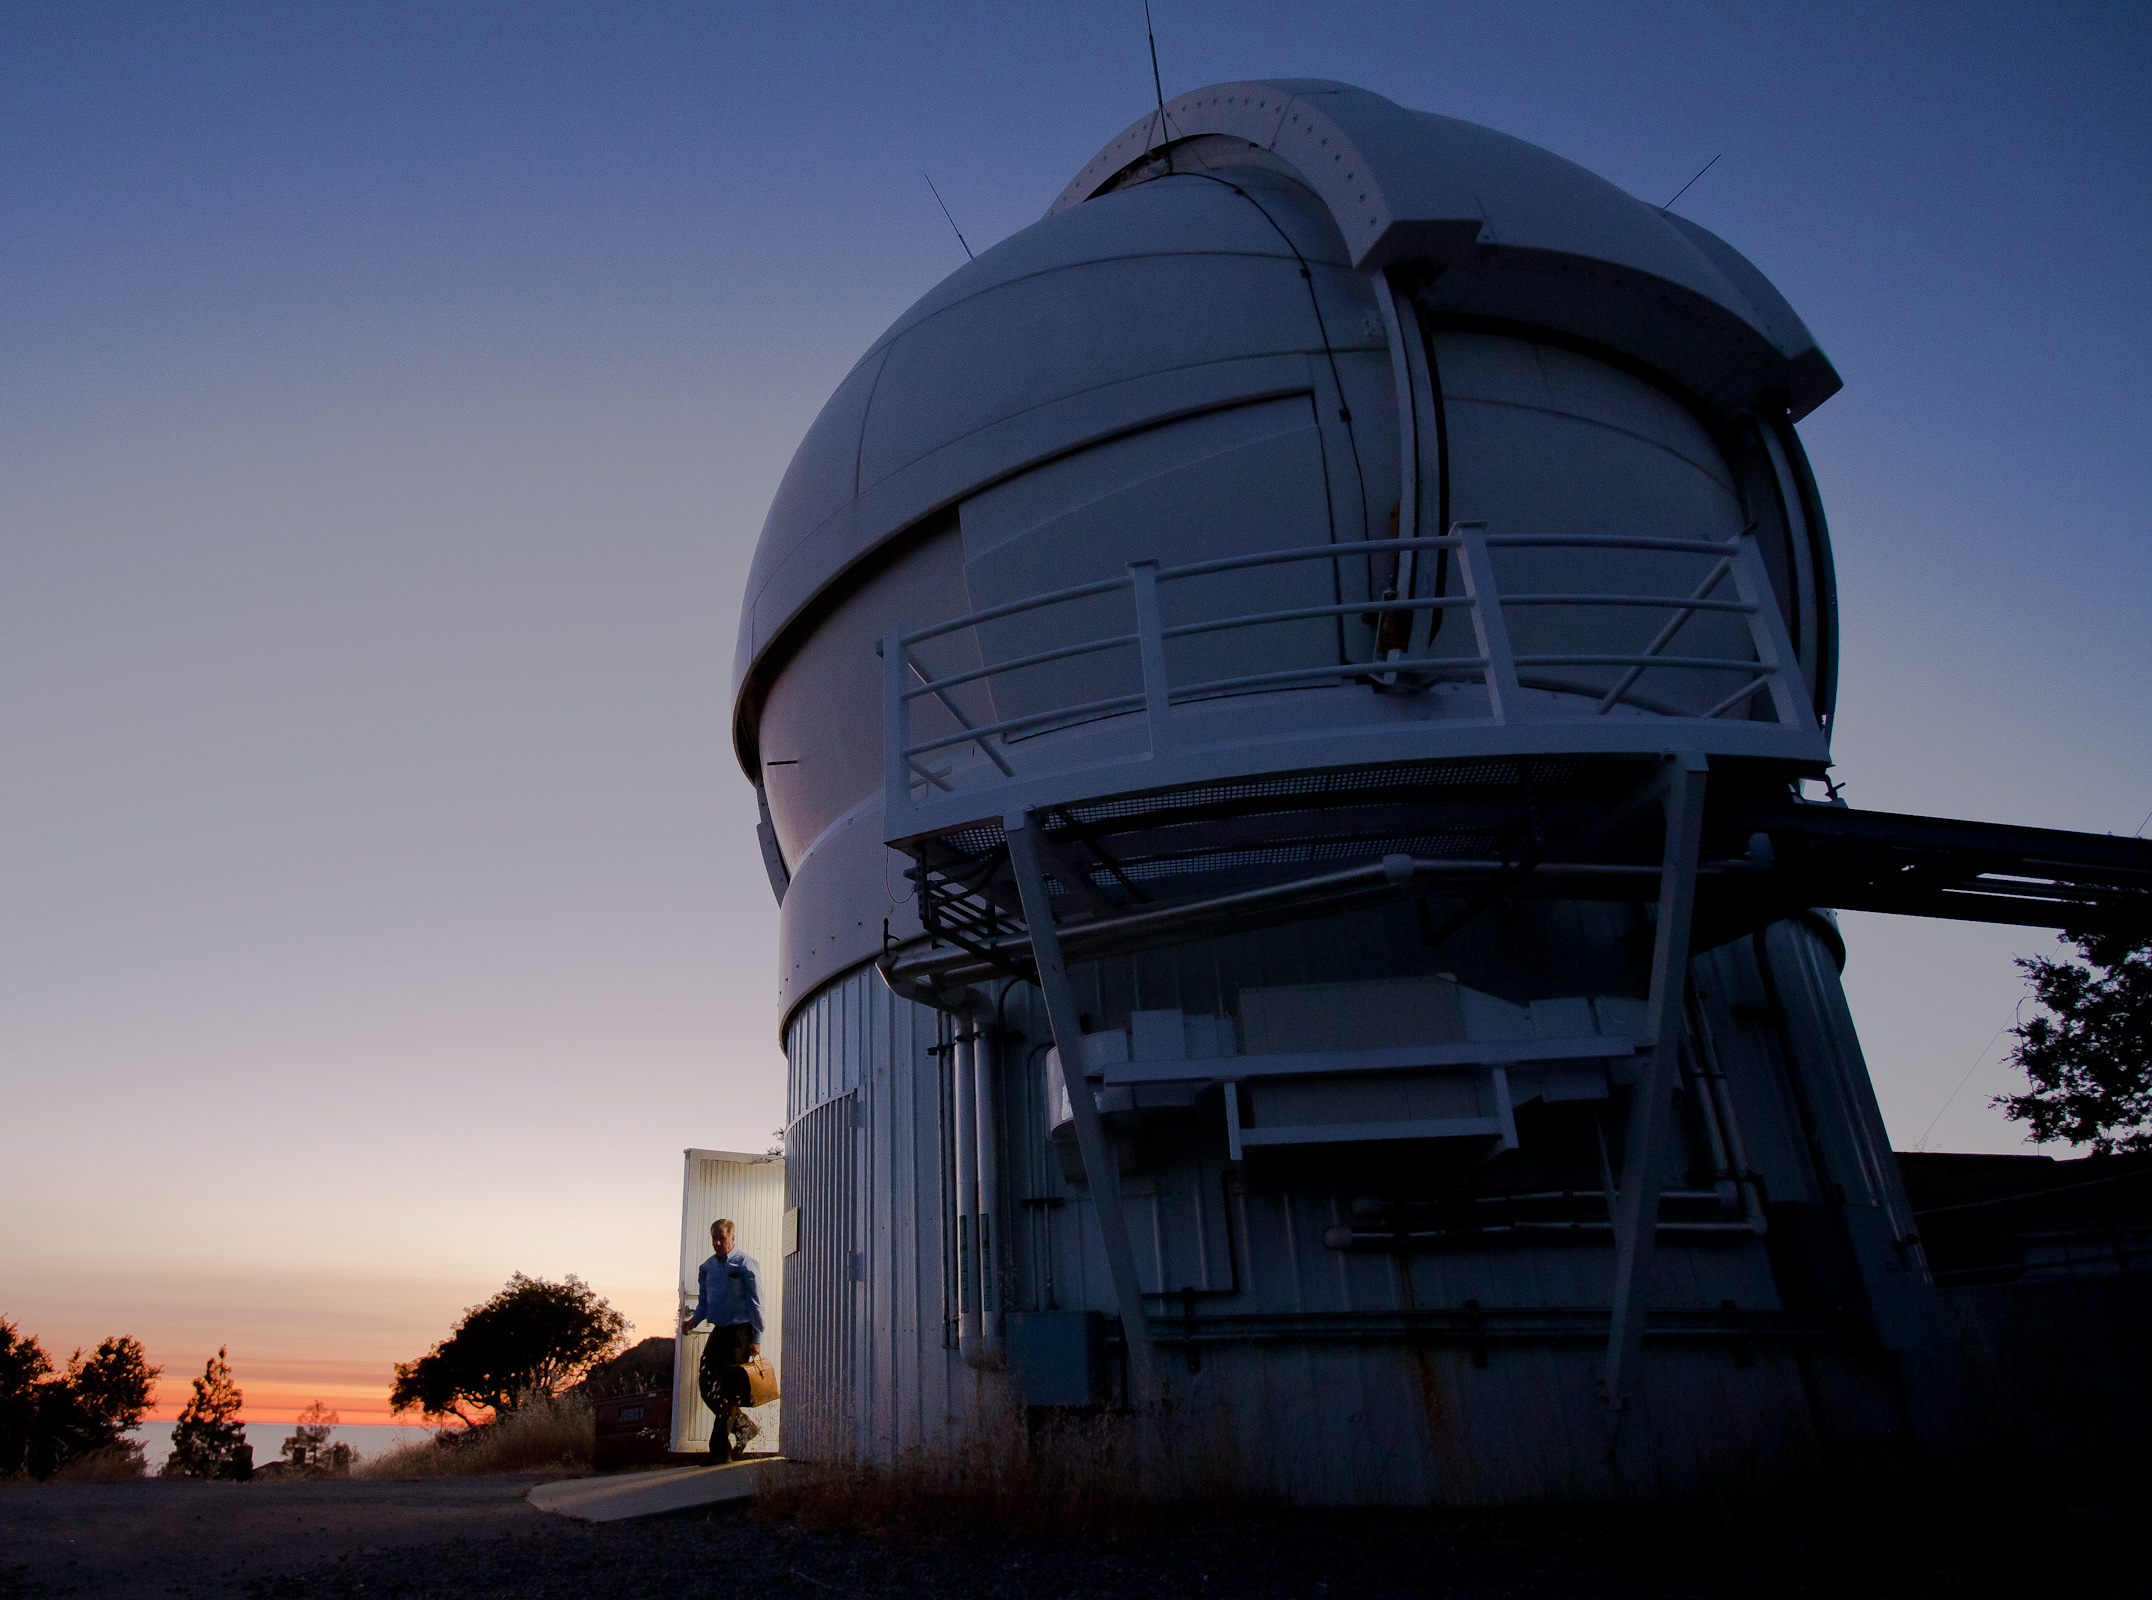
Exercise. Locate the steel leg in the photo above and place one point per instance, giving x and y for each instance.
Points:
(1098, 1162)
(1636, 1205)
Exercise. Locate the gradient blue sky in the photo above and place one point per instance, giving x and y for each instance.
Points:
(390, 396)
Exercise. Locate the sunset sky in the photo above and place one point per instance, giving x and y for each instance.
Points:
(391, 394)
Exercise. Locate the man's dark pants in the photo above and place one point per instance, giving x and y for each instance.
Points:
(722, 1380)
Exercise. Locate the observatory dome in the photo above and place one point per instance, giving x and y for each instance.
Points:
(1135, 300)
(1200, 352)
(1233, 678)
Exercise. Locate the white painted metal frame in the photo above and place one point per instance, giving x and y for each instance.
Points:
(920, 802)
(1099, 1165)
(1501, 1128)
(1636, 1202)
(1389, 1058)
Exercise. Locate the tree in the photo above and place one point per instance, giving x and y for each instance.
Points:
(48, 1421)
(23, 1363)
(533, 1338)
(2090, 1059)
(209, 1440)
(309, 1451)
(93, 1405)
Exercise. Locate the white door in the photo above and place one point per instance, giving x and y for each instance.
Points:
(749, 1189)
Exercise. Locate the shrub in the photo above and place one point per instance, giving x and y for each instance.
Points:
(1069, 1475)
(115, 1463)
(49, 1422)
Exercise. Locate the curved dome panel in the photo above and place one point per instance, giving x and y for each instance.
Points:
(1167, 281)
(1412, 186)
(1165, 300)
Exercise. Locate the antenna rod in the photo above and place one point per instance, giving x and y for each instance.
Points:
(1157, 87)
(953, 228)
(1685, 188)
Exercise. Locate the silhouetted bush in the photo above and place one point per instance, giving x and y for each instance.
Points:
(51, 1421)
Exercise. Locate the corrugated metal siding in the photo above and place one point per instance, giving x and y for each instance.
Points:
(1390, 1419)
(823, 1045)
(870, 1168)
(750, 1190)
(821, 1180)
(915, 1390)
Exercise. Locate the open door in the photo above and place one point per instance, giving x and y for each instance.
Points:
(750, 1189)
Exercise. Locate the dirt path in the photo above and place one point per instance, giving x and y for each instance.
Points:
(158, 1538)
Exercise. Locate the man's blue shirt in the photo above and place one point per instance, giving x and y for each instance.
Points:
(731, 1293)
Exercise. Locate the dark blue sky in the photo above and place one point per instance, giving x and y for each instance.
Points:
(391, 397)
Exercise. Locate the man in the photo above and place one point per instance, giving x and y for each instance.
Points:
(731, 1303)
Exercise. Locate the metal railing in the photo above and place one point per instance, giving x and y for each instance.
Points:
(1771, 669)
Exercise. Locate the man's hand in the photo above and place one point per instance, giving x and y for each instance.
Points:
(753, 1350)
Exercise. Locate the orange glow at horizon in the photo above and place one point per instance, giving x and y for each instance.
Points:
(273, 1399)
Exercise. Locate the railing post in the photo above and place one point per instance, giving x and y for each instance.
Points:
(1151, 652)
(1504, 695)
(896, 727)
(1767, 631)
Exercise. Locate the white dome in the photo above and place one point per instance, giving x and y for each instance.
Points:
(1147, 293)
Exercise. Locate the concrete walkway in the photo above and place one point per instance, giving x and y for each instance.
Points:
(650, 1494)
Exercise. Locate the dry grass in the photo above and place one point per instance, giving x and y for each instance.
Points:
(114, 1464)
(1076, 1475)
(549, 1433)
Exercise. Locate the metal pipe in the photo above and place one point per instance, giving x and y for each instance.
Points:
(1692, 663)
(957, 712)
(1595, 541)
(1343, 550)
(957, 679)
(1674, 625)
(1669, 601)
(1123, 702)
(945, 1174)
(1692, 1080)
(986, 1104)
(967, 1194)
(1722, 1102)
(1349, 608)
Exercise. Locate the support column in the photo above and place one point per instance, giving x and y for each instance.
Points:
(1099, 1165)
(1636, 1204)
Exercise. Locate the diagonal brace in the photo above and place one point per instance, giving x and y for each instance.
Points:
(1636, 1203)
(1099, 1164)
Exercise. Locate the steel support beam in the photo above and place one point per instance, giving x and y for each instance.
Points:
(1636, 1203)
(1099, 1165)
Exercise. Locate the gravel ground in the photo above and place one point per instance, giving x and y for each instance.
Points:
(476, 1538)
(155, 1537)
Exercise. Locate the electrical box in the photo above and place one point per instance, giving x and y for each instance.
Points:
(1058, 1357)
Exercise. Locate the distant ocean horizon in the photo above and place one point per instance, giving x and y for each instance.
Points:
(370, 1439)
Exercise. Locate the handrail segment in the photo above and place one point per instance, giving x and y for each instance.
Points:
(1768, 668)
